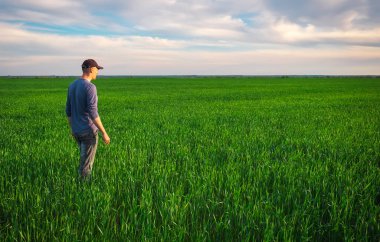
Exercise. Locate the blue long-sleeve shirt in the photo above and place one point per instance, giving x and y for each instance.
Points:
(82, 106)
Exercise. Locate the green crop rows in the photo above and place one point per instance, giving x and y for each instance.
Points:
(195, 158)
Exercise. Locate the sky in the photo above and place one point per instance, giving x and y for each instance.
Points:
(191, 37)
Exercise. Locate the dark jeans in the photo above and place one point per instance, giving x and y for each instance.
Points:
(87, 143)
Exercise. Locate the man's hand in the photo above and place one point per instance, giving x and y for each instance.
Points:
(106, 138)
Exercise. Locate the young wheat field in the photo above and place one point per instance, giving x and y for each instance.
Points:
(195, 159)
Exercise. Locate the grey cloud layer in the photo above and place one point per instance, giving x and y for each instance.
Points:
(329, 13)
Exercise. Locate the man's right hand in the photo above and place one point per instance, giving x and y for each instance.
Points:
(99, 125)
(106, 138)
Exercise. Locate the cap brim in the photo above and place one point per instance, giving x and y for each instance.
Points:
(99, 67)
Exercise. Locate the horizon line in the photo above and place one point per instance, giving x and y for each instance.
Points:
(200, 75)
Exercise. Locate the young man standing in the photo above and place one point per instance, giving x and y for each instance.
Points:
(83, 117)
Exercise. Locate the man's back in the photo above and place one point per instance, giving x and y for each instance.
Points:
(82, 106)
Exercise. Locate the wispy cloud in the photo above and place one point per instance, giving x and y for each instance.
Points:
(191, 37)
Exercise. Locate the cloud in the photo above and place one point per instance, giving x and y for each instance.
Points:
(294, 33)
(328, 14)
(191, 37)
(254, 20)
(37, 55)
(63, 12)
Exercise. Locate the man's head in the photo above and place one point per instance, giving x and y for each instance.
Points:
(90, 68)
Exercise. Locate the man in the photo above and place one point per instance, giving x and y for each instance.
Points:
(83, 117)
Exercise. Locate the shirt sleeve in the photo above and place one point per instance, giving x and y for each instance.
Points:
(92, 102)
(68, 104)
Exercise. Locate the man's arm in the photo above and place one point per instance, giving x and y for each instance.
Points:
(92, 102)
(99, 125)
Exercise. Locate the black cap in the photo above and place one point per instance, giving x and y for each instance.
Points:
(90, 63)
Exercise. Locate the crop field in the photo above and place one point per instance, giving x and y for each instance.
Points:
(195, 159)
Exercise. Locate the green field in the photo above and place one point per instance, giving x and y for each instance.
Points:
(195, 158)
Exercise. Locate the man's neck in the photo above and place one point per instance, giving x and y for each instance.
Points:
(87, 77)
